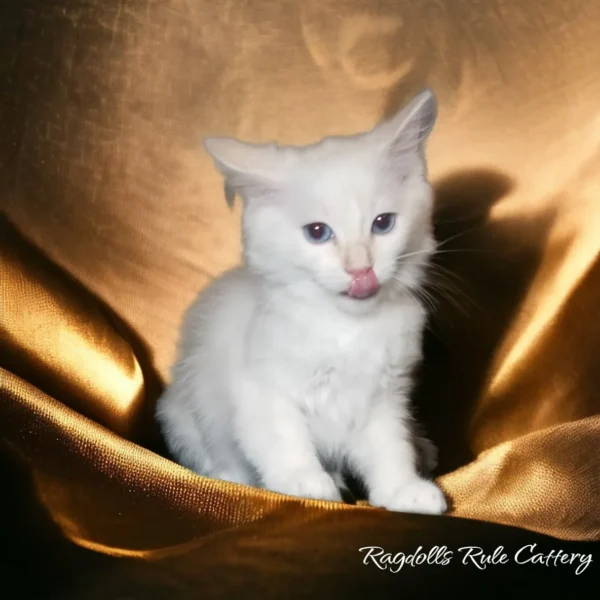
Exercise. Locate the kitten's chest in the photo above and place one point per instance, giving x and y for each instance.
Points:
(347, 364)
(325, 361)
(345, 381)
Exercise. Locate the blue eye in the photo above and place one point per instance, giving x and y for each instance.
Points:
(383, 223)
(318, 233)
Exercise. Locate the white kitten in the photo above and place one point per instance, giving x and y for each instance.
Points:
(298, 365)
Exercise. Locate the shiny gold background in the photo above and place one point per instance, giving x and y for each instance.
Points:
(113, 218)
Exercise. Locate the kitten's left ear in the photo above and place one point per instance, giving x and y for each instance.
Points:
(410, 128)
(248, 169)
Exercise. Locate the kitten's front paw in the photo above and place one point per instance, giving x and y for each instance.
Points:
(415, 496)
(307, 484)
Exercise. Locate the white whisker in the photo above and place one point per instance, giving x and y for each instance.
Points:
(456, 236)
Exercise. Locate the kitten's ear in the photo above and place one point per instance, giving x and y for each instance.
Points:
(410, 128)
(248, 169)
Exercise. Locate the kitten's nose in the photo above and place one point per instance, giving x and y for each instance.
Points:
(364, 283)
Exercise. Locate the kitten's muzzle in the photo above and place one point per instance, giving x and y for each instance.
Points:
(364, 283)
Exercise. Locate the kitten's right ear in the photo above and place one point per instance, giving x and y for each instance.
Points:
(408, 130)
(248, 169)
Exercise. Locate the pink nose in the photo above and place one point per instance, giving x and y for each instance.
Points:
(364, 283)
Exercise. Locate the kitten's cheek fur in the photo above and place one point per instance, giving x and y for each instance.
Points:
(417, 496)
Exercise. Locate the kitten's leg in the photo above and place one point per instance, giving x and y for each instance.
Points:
(386, 459)
(276, 440)
(185, 442)
(234, 475)
(229, 463)
(182, 434)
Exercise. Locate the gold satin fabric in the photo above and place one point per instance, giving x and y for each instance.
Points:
(113, 218)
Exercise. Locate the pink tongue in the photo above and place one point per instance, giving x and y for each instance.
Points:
(364, 285)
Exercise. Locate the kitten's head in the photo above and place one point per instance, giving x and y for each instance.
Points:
(348, 218)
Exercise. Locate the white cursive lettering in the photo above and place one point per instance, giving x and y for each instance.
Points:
(527, 554)
(476, 556)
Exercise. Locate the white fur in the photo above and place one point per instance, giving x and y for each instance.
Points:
(281, 380)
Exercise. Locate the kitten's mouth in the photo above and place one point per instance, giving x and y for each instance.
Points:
(364, 296)
(364, 284)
